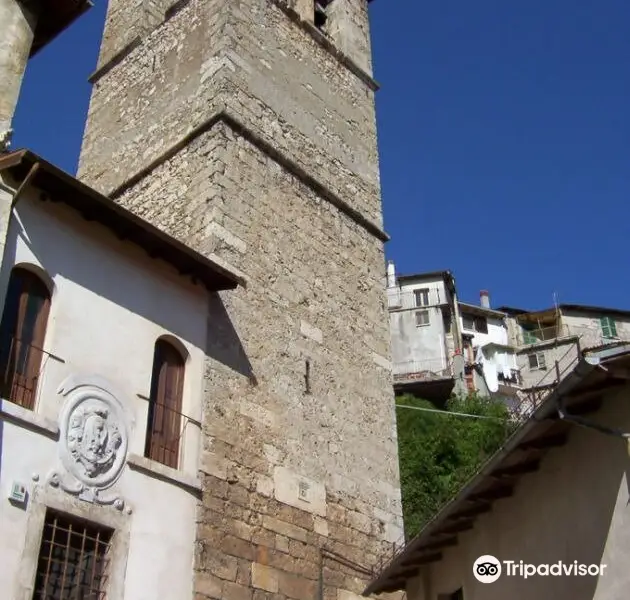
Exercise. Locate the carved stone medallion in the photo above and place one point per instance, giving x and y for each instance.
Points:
(93, 440)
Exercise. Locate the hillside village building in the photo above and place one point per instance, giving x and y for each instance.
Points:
(441, 345)
(184, 328)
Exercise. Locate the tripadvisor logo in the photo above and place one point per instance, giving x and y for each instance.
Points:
(487, 569)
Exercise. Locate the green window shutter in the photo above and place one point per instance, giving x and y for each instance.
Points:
(609, 327)
(528, 337)
(603, 321)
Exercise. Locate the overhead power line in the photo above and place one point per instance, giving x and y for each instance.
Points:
(446, 412)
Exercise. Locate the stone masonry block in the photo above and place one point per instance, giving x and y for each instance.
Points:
(264, 577)
(294, 586)
(208, 585)
(287, 529)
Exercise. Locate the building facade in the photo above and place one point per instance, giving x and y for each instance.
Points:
(548, 341)
(439, 341)
(442, 346)
(425, 331)
(101, 384)
(556, 494)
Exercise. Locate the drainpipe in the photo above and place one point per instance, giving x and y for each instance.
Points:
(457, 333)
(458, 358)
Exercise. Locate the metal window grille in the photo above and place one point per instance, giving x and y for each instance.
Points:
(20, 367)
(22, 332)
(166, 427)
(73, 560)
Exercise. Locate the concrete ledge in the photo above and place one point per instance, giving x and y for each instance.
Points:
(546, 344)
(159, 471)
(28, 419)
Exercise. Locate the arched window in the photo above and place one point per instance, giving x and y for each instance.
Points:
(164, 427)
(22, 333)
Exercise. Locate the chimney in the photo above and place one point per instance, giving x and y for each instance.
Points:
(391, 274)
(484, 298)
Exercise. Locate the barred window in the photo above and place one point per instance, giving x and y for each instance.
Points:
(537, 361)
(73, 559)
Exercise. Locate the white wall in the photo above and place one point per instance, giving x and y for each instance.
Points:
(418, 347)
(110, 303)
(497, 332)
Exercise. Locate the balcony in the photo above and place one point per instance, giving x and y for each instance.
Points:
(543, 334)
(165, 434)
(431, 379)
(408, 299)
(429, 369)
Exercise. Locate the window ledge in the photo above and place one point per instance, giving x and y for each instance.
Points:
(28, 419)
(159, 471)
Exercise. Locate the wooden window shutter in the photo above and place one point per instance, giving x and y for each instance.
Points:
(164, 427)
(22, 334)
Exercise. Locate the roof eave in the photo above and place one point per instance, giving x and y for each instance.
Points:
(54, 18)
(474, 308)
(213, 273)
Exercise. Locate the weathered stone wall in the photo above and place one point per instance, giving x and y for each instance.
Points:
(314, 294)
(273, 75)
(233, 129)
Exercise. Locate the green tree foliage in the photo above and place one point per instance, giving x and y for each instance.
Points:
(439, 452)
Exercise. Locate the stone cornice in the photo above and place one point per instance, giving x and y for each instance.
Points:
(225, 116)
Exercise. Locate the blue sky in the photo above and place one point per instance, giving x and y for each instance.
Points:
(504, 133)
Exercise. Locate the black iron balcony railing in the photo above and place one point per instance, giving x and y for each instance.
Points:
(20, 369)
(165, 432)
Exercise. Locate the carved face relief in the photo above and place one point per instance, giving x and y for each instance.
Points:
(93, 436)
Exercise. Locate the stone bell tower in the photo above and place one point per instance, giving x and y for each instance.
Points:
(246, 129)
